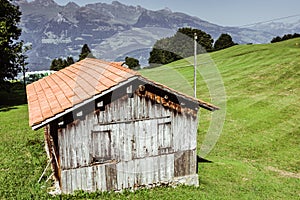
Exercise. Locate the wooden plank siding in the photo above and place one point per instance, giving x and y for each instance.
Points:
(131, 143)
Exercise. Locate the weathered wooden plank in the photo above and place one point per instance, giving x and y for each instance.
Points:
(70, 147)
(120, 175)
(143, 144)
(87, 142)
(185, 163)
(151, 109)
(193, 162)
(78, 179)
(94, 117)
(114, 113)
(103, 177)
(73, 146)
(69, 181)
(155, 167)
(128, 142)
(95, 178)
(60, 146)
(100, 179)
(84, 178)
(147, 130)
(137, 177)
(144, 108)
(142, 170)
(170, 167)
(78, 148)
(73, 174)
(161, 168)
(89, 171)
(63, 153)
(135, 140)
(115, 142)
(64, 181)
(131, 173)
(149, 170)
(111, 177)
(105, 115)
(87, 137)
(62, 149)
(194, 127)
(176, 136)
(109, 113)
(154, 137)
(100, 117)
(141, 139)
(164, 168)
(68, 153)
(122, 144)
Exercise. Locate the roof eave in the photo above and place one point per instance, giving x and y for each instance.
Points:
(201, 103)
(57, 116)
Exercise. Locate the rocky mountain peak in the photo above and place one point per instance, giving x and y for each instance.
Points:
(44, 3)
(72, 5)
(117, 3)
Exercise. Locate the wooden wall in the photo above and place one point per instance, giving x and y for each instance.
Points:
(133, 142)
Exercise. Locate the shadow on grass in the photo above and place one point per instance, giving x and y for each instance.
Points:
(12, 97)
(6, 108)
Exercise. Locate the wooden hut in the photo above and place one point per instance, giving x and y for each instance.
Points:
(109, 128)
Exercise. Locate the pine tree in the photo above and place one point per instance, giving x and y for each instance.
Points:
(70, 61)
(58, 64)
(85, 52)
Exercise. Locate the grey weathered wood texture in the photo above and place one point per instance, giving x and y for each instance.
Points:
(133, 142)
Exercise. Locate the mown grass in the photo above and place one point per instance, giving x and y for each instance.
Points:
(261, 131)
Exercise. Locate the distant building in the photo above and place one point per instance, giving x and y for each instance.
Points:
(33, 76)
(109, 128)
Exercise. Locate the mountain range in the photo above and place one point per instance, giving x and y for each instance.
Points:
(278, 28)
(112, 31)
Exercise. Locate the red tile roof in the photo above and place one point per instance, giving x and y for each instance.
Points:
(72, 85)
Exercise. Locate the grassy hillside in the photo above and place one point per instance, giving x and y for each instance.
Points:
(256, 156)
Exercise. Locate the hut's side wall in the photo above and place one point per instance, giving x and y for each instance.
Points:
(133, 142)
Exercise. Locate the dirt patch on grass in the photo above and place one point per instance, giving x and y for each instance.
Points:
(284, 173)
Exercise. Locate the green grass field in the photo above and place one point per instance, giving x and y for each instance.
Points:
(256, 157)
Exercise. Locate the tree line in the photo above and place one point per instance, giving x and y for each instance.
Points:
(285, 37)
(60, 63)
(181, 45)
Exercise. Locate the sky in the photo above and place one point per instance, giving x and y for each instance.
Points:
(221, 12)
